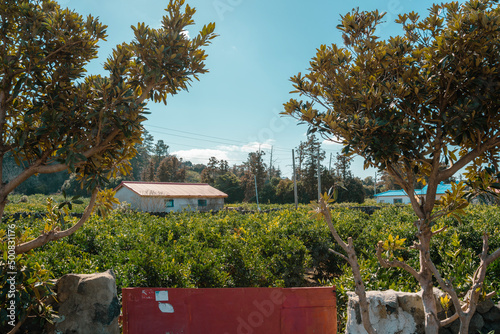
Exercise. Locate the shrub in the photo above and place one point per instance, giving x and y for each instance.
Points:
(228, 249)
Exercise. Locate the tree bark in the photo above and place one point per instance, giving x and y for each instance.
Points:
(430, 307)
(359, 287)
(55, 235)
(464, 324)
(424, 236)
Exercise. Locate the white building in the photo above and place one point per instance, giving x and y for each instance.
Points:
(167, 197)
(400, 196)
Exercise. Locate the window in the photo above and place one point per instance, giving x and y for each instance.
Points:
(202, 202)
(169, 203)
(398, 201)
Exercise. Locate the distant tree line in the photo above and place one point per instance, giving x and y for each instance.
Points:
(153, 163)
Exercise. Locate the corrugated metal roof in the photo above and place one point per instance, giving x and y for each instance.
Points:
(169, 189)
(441, 189)
(391, 193)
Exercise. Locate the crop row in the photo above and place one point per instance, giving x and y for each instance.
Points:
(272, 249)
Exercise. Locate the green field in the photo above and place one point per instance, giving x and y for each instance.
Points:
(281, 248)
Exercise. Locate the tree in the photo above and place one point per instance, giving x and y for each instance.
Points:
(308, 166)
(36, 184)
(214, 169)
(231, 185)
(369, 186)
(141, 160)
(160, 151)
(171, 170)
(255, 173)
(410, 105)
(149, 172)
(351, 191)
(198, 168)
(54, 118)
(388, 181)
(284, 191)
(268, 193)
(343, 166)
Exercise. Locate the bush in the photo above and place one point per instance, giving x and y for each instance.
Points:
(228, 249)
(26, 286)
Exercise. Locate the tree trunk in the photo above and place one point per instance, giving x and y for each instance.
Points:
(464, 324)
(430, 307)
(3, 203)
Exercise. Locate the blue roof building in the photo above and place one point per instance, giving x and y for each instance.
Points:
(400, 196)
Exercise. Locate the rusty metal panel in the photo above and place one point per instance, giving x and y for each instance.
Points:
(309, 311)
(172, 189)
(229, 311)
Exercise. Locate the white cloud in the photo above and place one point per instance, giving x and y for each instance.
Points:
(250, 147)
(234, 154)
(330, 143)
(202, 156)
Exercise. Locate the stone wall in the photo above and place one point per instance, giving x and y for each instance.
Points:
(393, 312)
(86, 303)
(485, 320)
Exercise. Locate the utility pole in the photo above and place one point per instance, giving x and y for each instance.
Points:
(330, 165)
(294, 181)
(319, 176)
(375, 184)
(271, 164)
(256, 192)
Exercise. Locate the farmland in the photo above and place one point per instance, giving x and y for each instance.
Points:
(281, 248)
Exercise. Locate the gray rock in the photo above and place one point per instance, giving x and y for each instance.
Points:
(488, 327)
(493, 315)
(455, 327)
(445, 331)
(393, 312)
(485, 306)
(387, 313)
(87, 304)
(476, 323)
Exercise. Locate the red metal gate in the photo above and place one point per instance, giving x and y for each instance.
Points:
(229, 311)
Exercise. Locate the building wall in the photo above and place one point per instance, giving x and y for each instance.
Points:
(159, 204)
(192, 204)
(391, 199)
(126, 195)
(404, 199)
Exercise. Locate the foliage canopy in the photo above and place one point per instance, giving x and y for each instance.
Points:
(421, 106)
(414, 101)
(53, 117)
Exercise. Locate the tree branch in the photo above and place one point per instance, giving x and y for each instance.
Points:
(492, 257)
(408, 188)
(395, 263)
(338, 254)
(433, 183)
(463, 161)
(447, 287)
(469, 308)
(145, 92)
(21, 322)
(39, 168)
(449, 320)
(353, 262)
(442, 229)
(55, 235)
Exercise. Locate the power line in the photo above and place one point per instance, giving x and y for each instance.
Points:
(203, 148)
(196, 134)
(226, 140)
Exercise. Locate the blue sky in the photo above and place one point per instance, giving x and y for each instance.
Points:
(234, 109)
